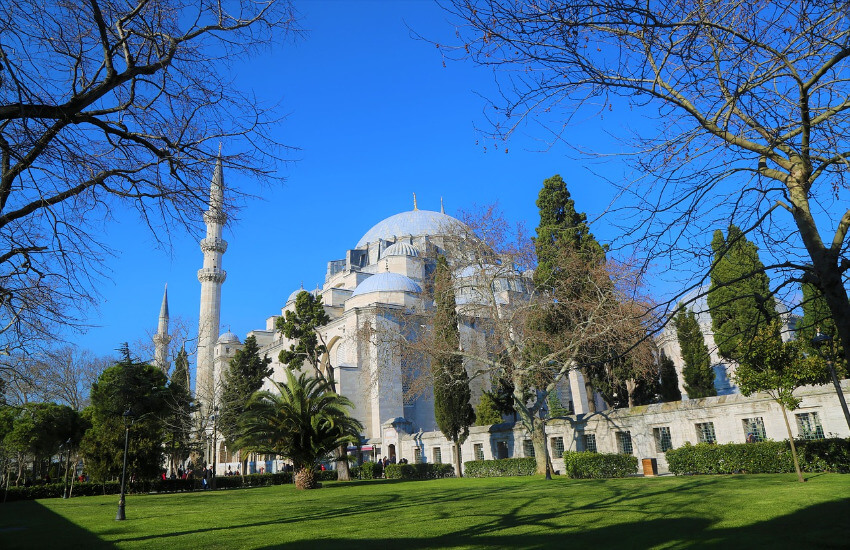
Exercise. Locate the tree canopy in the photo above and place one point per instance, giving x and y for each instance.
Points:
(698, 374)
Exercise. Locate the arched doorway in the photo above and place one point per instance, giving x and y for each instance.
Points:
(391, 451)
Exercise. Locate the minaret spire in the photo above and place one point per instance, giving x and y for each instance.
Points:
(414, 202)
(442, 208)
(161, 339)
(211, 277)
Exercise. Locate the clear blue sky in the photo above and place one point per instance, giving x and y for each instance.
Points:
(376, 117)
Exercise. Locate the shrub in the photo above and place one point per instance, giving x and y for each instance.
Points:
(370, 470)
(587, 465)
(500, 468)
(419, 471)
(765, 457)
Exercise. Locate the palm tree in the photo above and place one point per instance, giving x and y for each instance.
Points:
(304, 421)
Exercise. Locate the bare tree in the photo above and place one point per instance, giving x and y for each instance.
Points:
(752, 104)
(109, 106)
(505, 322)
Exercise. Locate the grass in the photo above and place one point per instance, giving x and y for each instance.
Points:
(751, 511)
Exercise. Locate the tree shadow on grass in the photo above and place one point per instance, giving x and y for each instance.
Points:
(819, 526)
(28, 524)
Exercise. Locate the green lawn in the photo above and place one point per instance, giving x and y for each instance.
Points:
(752, 511)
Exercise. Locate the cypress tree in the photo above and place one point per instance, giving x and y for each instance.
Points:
(562, 227)
(739, 298)
(180, 423)
(669, 380)
(487, 412)
(699, 376)
(452, 410)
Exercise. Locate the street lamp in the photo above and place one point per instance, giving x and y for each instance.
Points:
(128, 421)
(822, 341)
(214, 418)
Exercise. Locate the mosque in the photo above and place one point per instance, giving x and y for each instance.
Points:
(386, 271)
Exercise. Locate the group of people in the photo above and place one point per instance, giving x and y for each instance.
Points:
(231, 473)
(179, 474)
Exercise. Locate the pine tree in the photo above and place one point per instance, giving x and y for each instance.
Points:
(669, 380)
(245, 375)
(739, 298)
(452, 411)
(699, 376)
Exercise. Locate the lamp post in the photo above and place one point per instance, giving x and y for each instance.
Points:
(128, 421)
(822, 341)
(214, 418)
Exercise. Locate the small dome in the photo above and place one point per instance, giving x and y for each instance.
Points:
(401, 249)
(386, 282)
(228, 338)
(412, 223)
(295, 294)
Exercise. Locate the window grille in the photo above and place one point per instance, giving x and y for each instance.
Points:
(528, 448)
(625, 443)
(438, 455)
(557, 447)
(705, 432)
(754, 430)
(663, 441)
(479, 451)
(590, 443)
(809, 426)
(417, 455)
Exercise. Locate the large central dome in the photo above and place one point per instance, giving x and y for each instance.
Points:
(413, 223)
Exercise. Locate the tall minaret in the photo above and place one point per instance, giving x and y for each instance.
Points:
(161, 339)
(211, 277)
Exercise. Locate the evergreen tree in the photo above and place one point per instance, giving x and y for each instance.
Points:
(739, 298)
(141, 389)
(562, 227)
(452, 410)
(556, 408)
(669, 380)
(180, 423)
(816, 319)
(699, 376)
(245, 376)
(487, 413)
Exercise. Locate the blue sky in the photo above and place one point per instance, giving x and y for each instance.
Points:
(376, 117)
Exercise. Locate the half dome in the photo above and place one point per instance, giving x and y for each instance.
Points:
(302, 289)
(401, 249)
(413, 223)
(386, 282)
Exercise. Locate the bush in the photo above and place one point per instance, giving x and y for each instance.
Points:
(587, 465)
(500, 468)
(419, 471)
(765, 457)
(369, 470)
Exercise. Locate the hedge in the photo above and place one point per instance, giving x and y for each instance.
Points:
(419, 471)
(368, 470)
(500, 468)
(587, 465)
(765, 457)
(54, 490)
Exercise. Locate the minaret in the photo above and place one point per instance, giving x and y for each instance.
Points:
(211, 277)
(161, 339)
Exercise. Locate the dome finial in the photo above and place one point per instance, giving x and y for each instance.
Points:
(414, 202)
(442, 208)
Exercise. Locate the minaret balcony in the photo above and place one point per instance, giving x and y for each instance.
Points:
(213, 244)
(212, 275)
(214, 217)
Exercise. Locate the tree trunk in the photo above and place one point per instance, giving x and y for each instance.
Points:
(343, 473)
(457, 459)
(588, 389)
(305, 478)
(631, 386)
(538, 439)
(793, 447)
